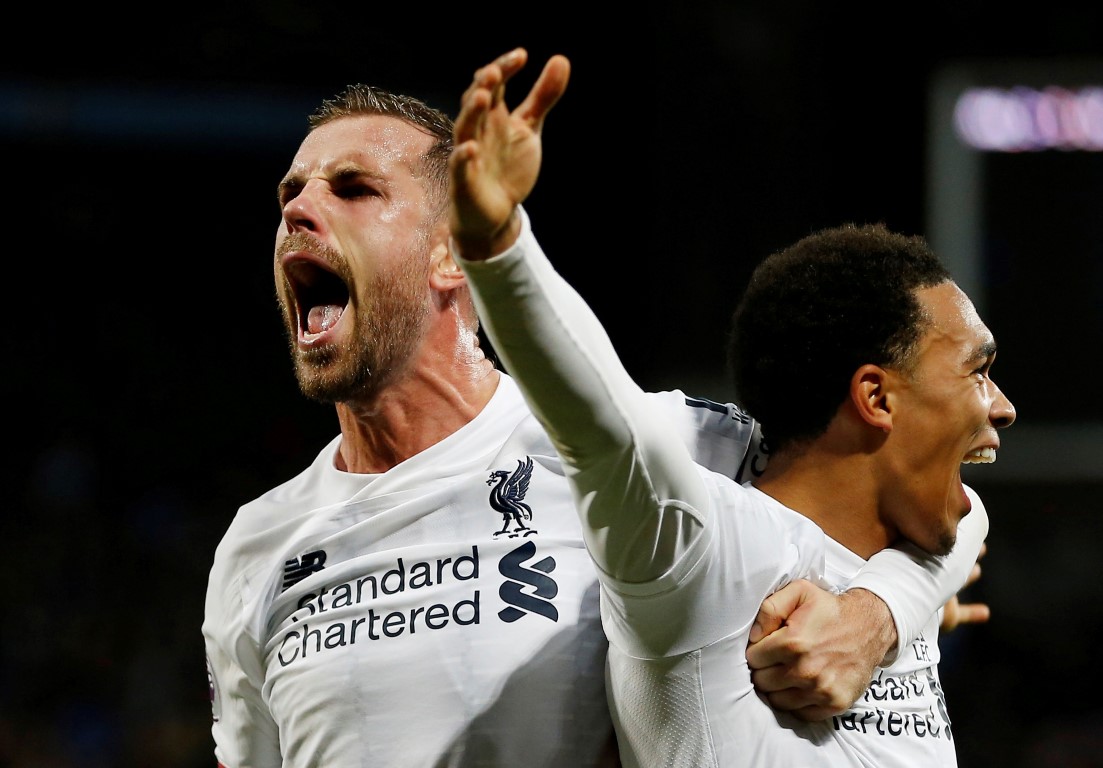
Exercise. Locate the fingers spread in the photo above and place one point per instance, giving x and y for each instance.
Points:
(546, 92)
(511, 62)
(472, 114)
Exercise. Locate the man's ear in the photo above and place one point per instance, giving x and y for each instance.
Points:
(444, 273)
(870, 389)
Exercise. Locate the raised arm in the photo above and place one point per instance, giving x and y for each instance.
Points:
(633, 484)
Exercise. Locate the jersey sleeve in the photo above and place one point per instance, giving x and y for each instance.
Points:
(915, 584)
(641, 499)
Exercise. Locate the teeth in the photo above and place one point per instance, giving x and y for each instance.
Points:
(980, 456)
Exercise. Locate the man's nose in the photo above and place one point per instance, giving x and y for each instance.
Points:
(302, 212)
(1003, 412)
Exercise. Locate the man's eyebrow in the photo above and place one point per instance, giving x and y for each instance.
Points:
(986, 350)
(350, 171)
(289, 182)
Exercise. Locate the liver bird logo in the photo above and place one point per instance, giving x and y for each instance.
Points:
(508, 497)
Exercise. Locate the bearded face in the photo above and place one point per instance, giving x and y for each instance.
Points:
(353, 254)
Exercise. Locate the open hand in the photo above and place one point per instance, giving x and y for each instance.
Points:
(497, 154)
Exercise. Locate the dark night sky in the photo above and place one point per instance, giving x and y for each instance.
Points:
(146, 375)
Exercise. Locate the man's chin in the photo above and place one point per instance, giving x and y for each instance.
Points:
(327, 389)
(946, 543)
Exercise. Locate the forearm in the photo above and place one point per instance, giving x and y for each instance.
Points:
(554, 346)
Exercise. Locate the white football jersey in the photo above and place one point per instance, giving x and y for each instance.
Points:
(444, 613)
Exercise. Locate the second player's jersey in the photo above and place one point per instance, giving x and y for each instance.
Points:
(686, 700)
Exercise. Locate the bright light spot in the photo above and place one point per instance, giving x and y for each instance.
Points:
(1024, 119)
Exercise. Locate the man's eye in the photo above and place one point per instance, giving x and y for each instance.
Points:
(354, 191)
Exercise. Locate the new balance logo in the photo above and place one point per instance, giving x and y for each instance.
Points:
(533, 576)
(298, 568)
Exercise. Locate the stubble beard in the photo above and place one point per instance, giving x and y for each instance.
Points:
(945, 543)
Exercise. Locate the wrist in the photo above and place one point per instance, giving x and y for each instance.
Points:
(485, 246)
(875, 615)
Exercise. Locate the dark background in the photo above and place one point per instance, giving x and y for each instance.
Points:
(147, 386)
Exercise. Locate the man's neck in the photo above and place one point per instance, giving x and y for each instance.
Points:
(838, 494)
(409, 417)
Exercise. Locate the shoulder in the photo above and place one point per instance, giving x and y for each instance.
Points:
(725, 420)
(263, 520)
(720, 436)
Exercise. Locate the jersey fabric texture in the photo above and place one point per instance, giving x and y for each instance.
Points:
(685, 557)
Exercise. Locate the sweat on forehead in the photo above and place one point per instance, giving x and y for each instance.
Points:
(378, 144)
(372, 145)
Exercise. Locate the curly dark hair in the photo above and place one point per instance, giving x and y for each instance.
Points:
(360, 99)
(814, 312)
